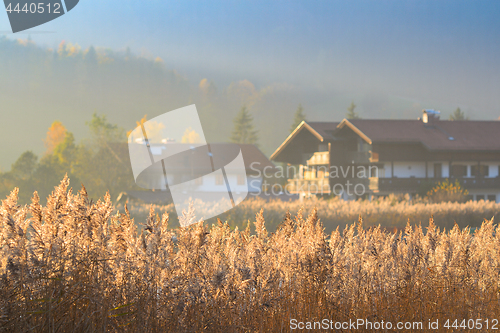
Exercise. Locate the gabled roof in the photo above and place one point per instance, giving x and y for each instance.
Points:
(440, 135)
(321, 130)
(252, 156)
(324, 129)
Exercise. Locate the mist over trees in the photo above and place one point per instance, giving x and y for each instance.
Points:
(99, 162)
(41, 85)
(61, 88)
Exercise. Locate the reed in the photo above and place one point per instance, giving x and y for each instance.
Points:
(75, 265)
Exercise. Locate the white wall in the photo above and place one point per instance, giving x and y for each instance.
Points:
(254, 184)
(209, 184)
(445, 169)
(493, 172)
(417, 169)
(409, 169)
(474, 193)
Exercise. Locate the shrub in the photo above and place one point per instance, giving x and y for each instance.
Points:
(446, 191)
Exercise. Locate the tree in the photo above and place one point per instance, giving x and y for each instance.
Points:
(103, 167)
(243, 131)
(103, 131)
(350, 112)
(298, 118)
(25, 165)
(21, 175)
(55, 135)
(154, 130)
(66, 151)
(91, 56)
(458, 115)
(190, 136)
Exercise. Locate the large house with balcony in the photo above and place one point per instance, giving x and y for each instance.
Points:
(361, 157)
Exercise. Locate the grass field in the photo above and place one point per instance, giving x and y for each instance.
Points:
(391, 213)
(79, 266)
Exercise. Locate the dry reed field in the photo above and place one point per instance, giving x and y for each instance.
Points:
(75, 265)
(391, 213)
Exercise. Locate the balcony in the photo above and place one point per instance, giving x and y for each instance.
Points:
(362, 157)
(312, 186)
(411, 185)
(319, 158)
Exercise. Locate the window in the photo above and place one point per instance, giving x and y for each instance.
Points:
(479, 197)
(198, 181)
(438, 170)
(219, 180)
(483, 171)
(492, 197)
(458, 170)
(241, 179)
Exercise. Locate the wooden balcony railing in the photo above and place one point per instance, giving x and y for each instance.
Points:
(319, 158)
(313, 186)
(413, 184)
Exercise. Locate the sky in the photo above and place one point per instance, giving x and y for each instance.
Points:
(438, 53)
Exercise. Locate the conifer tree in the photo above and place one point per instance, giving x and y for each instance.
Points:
(243, 131)
(350, 112)
(458, 115)
(298, 118)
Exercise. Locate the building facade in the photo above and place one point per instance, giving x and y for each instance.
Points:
(199, 168)
(361, 157)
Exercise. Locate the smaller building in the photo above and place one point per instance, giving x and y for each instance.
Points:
(190, 164)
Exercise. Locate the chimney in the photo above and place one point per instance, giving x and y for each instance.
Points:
(430, 116)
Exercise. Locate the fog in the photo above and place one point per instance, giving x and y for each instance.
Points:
(391, 58)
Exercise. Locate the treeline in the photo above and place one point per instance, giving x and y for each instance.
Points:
(100, 162)
(69, 83)
(76, 72)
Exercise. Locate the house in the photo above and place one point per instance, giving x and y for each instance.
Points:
(362, 158)
(195, 164)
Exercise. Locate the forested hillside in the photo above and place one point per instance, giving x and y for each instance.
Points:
(40, 85)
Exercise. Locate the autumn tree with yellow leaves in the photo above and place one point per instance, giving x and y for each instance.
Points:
(55, 135)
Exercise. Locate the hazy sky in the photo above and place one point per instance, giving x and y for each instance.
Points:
(445, 52)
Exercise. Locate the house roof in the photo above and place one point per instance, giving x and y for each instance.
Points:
(439, 135)
(321, 130)
(325, 129)
(224, 152)
(252, 154)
